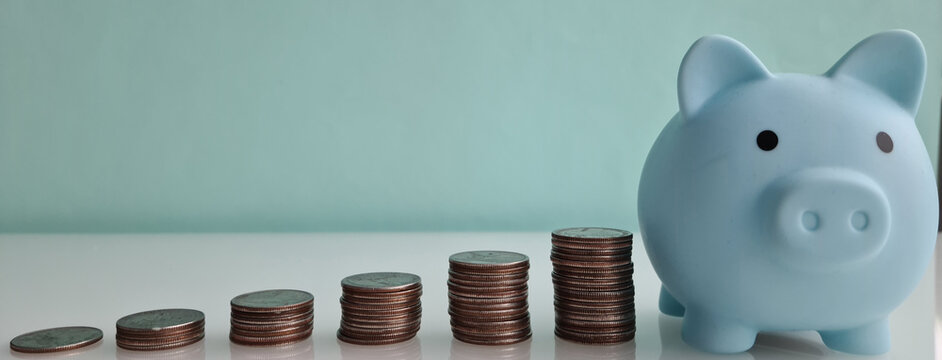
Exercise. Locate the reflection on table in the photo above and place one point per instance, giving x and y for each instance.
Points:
(568, 350)
(461, 350)
(408, 350)
(294, 351)
(190, 352)
(805, 345)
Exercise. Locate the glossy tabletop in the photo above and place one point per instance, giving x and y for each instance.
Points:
(60, 280)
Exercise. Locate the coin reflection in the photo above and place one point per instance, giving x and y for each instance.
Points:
(58, 354)
(461, 350)
(566, 350)
(407, 350)
(190, 352)
(293, 351)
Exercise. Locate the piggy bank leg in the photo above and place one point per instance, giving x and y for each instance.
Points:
(716, 334)
(669, 305)
(870, 339)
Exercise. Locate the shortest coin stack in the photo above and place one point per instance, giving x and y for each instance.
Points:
(271, 317)
(380, 308)
(487, 297)
(56, 339)
(160, 329)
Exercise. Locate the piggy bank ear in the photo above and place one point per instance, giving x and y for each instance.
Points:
(893, 62)
(714, 63)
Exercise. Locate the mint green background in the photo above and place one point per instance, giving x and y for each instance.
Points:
(125, 116)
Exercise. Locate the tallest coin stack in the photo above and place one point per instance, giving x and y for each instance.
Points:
(594, 291)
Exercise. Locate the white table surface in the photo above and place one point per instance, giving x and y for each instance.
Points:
(59, 280)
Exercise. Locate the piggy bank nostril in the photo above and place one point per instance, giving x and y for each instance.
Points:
(859, 220)
(810, 220)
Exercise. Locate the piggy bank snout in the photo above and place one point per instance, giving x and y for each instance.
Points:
(828, 217)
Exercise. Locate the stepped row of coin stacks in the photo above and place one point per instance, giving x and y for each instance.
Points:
(487, 303)
(487, 297)
(160, 329)
(271, 317)
(592, 281)
(380, 308)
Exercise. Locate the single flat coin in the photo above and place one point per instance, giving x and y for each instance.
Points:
(161, 320)
(268, 301)
(56, 339)
(381, 282)
(591, 233)
(489, 259)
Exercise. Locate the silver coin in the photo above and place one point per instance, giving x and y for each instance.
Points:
(489, 257)
(160, 320)
(591, 233)
(381, 281)
(56, 339)
(272, 299)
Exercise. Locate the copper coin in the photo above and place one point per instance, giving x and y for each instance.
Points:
(376, 311)
(352, 330)
(488, 284)
(271, 327)
(160, 346)
(592, 338)
(269, 340)
(558, 285)
(489, 277)
(590, 308)
(623, 316)
(592, 234)
(590, 281)
(505, 335)
(579, 250)
(492, 341)
(487, 306)
(269, 320)
(412, 297)
(380, 341)
(489, 259)
(470, 326)
(267, 333)
(160, 337)
(485, 287)
(372, 317)
(380, 282)
(284, 316)
(489, 295)
(560, 256)
(474, 301)
(600, 329)
(598, 263)
(157, 321)
(272, 301)
(506, 314)
(584, 246)
(352, 333)
(56, 339)
(574, 271)
(593, 296)
(347, 305)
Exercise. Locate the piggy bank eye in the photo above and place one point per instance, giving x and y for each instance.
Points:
(884, 142)
(767, 140)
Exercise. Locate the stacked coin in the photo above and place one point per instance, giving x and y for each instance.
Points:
(271, 317)
(56, 339)
(487, 297)
(594, 292)
(160, 329)
(380, 308)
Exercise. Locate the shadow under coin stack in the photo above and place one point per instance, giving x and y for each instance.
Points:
(271, 317)
(487, 297)
(380, 308)
(160, 329)
(594, 291)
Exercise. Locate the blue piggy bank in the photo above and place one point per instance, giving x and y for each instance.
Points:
(775, 202)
